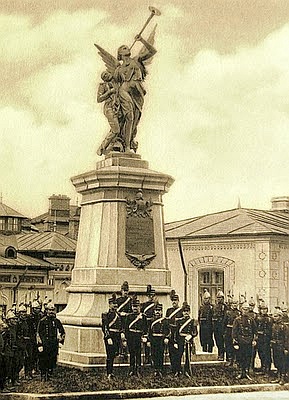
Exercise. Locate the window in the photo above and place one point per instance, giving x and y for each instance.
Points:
(10, 224)
(2, 224)
(212, 280)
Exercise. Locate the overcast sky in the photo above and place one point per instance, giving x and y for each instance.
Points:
(216, 113)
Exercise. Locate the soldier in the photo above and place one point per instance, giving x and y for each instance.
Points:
(186, 332)
(112, 330)
(3, 327)
(173, 315)
(136, 334)
(22, 338)
(219, 311)
(230, 315)
(285, 319)
(148, 308)
(32, 348)
(253, 315)
(124, 308)
(264, 333)
(158, 338)
(280, 346)
(10, 350)
(206, 323)
(244, 338)
(50, 335)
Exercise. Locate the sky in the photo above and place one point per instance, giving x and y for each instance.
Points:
(216, 113)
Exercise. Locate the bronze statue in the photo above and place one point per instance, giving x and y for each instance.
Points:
(123, 93)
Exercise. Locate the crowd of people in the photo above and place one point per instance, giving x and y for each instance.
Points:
(29, 343)
(239, 329)
(146, 334)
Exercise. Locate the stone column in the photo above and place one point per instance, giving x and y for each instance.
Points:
(121, 237)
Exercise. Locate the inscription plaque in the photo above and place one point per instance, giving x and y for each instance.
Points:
(139, 234)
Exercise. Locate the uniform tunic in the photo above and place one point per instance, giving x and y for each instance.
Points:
(219, 311)
(158, 331)
(111, 328)
(135, 329)
(230, 316)
(244, 332)
(279, 343)
(173, 315)
(50, 332)
(264, 334)
(186, 327)
(206, 327)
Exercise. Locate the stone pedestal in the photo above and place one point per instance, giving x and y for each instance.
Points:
(114, 245)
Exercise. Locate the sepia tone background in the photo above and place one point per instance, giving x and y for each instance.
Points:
(216, 114)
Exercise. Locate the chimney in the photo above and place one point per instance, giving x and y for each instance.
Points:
(280, 203)
(59, 206)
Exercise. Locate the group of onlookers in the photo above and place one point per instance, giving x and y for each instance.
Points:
(28, 343)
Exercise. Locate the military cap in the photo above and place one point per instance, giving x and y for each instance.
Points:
(245, 305)
(262, 305)
(284, 308)
(206, 295)
(50, 306)
(36, 304)
(174, 295)
(10, 314)
(112, 299)
(135, 302)
(278, 312)
(125, 286)
(22, 308)
(220, 294)
(234, 301)
(158, 307)
(186, 306)
(252, 302)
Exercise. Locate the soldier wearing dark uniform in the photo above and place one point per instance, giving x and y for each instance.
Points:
(148, 308)
(253, 315)
(124, 308)
(158, 338)
(22, 339)
(285, 319)
(32, 348)
(50, 335)
(219, 311)
(10, 349)
(186, 332)
(206, 324)
(230, 315)
(173, 315)
(280, 346)
(244, 338)
(264, 334)
(3, 327)
(112, 330)
(136, 334)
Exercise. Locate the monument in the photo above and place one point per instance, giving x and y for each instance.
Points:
(121, 234)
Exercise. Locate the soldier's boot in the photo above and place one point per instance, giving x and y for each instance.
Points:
(210, 349)
(277, 378)
(282, 379)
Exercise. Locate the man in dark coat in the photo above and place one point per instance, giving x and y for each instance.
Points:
(148, 309)
(124, 308)
(112, 330)
(264, 334)
(136, 334)
(206, 324)
(230, 315)
(279, 345)
(50, 334)
(32, 348)
(219, 311)
(244, 338)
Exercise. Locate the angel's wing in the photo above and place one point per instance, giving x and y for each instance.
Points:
(150, 40)
(110, 61)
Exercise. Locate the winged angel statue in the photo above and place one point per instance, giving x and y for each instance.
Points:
(122, 92)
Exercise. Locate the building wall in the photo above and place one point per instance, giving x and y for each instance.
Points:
(256, 267)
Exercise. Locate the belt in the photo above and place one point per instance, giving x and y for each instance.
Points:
(229, 326)
(158, 334)
(184, 334)
(114, 330)
(135, 331)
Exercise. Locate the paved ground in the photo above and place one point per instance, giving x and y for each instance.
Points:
(229, 396)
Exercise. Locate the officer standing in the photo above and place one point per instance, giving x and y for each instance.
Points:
(280, 346)
(22, 339)
(173, 315)
(253, 315)
(206, 324)
(230, 315)
(244, 338)
(148, 308)
(32, 348)
(158, 338)
(112, 330)
(124, 308)
(136, 334)
(10, 349)
(219, 311)
(186, 332)
(264, 334)
(50, 335)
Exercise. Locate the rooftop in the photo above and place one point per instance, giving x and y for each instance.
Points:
(239, 221)
(45, 241)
